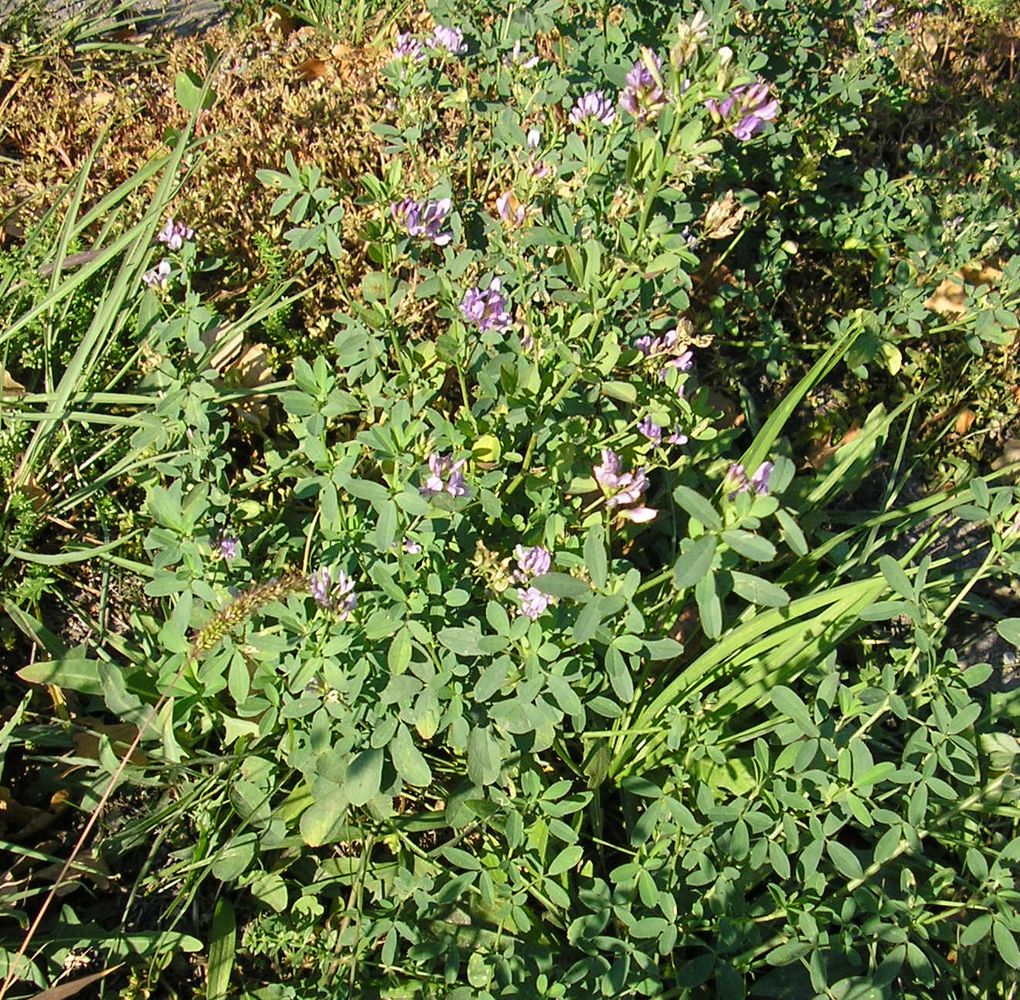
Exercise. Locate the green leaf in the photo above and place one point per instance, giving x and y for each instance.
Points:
(562, 585)
(709, 606)
(165, 506)
(323, 821)
(595, 555)
(844, 859)
(408, 759)
(482, 757)
(364, 776)
(696, 557)
(222, 948)
(188, 91)
(758, 591)
(565, 860)
(663, 649)
(977, 930)
(1006, 944)
(792, 533)
(270, 889)
(398, 656)
(462, 641)
(1009, 629)
(385, 526)
(364, 489)
(697, 507)
(750, 546)
(884, 610)
(787, 954)
(896, 578)
(68, 672)
(791, 705)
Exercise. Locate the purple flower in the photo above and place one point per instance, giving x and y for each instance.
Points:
(408, 47)
(533, 561)
(411, 547)
(319, 585)
(677, 438)
(534, 138)
(456, 485)
(173, 234)
(651, 430)
(759, 481)
(424, 219)
(746, 110)
(624, 490)
(450, 39)
(338, 597)
(607, 475)
(510, 210)
(690, 38)
(873, 19)
(630, 490)
(517, 58)
(533, 602)
(762, 477)
(595, 106)
(737, 478)
(488, 309)
(228, 547)
(445, 476)
(159, 276)
(643, 96)
(671, 347)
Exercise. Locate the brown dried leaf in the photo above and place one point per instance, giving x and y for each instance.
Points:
(949, 298)
(723, 217)
(74, 986)
(120, 735)
(10, 385)
(822, 451)
(251, 369)
(1010, 454)
(964, 421)
(314, 69)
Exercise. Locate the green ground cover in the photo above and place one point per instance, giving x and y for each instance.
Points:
(510, 501)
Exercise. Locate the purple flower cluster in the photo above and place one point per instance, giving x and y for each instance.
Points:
(445, 476)
(408, 47)
(510, 210)
(337, 596)
(872, 18)
(532, 562)
(624, 490)
(159, 276)
(489, 309)
(654, 433)
(746, 110)
(759, 481)
(595, 106)
(449, 39)
(518, 58)
(424, 218)
(669, 347)
(644, 96)
(173, 234)
(228, 547)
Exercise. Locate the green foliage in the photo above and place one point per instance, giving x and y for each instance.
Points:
(499, 659)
